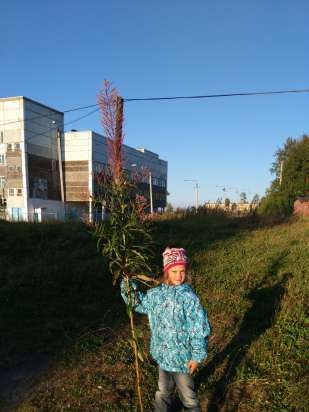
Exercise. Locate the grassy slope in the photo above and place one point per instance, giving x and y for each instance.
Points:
(55, 298)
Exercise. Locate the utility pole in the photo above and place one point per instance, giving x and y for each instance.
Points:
(197, 191)
(150, 190)
(117, 155)
(119, 117)
(60, 163)
(196, 188)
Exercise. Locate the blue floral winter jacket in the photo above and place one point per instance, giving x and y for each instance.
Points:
(179, 324)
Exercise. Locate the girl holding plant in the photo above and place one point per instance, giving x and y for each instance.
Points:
(179, 330)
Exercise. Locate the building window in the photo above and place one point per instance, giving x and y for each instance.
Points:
(9, 147)
(11, 192)
(17, 146)
(2, 159)
(38, 187)
(1, 137)
(19, 192)
(2, 182)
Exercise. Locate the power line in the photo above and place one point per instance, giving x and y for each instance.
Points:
(80, 108)
(211, 96)
(82, 117)
(206, 96)
(54, 127)
(47, 115)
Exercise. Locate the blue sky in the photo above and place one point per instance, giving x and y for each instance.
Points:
(59, 53)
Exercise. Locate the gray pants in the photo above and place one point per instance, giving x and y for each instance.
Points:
(168, 381)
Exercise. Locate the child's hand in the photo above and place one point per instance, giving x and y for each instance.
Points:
(192, 366)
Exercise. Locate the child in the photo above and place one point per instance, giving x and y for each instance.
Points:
(179, 330)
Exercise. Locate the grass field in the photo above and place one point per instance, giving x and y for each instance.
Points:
(57, 304)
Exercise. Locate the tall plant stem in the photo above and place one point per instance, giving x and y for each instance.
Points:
(138, 376)
(137, 371)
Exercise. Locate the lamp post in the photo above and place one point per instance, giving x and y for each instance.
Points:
(150, 192)
(196, 188)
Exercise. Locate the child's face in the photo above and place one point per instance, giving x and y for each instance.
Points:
(176, 275)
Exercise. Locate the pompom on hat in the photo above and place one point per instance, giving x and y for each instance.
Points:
(173, 257)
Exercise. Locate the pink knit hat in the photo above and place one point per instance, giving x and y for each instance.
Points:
(173, 257)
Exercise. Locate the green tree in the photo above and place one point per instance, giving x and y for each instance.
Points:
(243, 197)
(281, 156)
(295, 170)
(256, 199)
(291, 168)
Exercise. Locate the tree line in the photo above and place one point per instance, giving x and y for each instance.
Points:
(291, 177)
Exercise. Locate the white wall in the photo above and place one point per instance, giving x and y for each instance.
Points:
(76, 146)
(12, 126)
(99, 149)
(11, 116)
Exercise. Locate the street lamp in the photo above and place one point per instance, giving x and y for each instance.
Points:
(196, 188)
(150, 192)
(150, 188)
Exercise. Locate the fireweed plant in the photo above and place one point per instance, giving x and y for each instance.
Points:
(124, 236)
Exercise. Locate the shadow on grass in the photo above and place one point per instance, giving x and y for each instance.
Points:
(261, 316)
(54, 289)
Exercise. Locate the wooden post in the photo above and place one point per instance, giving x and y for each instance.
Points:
(119, 117)
(118, 138)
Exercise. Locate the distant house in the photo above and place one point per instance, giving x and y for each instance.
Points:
(233, 207)
(301, 206)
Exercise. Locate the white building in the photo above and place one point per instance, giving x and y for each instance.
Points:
(29, 165)
(31, 143)
(85, 152)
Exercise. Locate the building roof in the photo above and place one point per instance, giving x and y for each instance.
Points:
(142, 151)
(29, 100)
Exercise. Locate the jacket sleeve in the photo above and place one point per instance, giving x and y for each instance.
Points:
(198, 328)
(141, 301)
